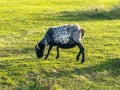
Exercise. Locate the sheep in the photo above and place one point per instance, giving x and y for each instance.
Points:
(67, 36)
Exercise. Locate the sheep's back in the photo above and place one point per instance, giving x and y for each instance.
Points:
(63, 34)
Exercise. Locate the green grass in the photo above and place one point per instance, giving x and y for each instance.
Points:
(23, 23)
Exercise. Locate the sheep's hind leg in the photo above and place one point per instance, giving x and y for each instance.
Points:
(57, 53)
(48, 52)
(81, 51)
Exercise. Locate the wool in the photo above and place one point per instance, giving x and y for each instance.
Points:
(66, 36)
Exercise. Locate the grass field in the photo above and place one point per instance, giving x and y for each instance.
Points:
(24, 22)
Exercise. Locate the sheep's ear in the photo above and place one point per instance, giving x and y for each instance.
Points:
(37, 47)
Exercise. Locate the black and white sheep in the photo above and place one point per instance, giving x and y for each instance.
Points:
(67, 36)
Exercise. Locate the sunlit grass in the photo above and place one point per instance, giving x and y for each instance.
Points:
(23, 23)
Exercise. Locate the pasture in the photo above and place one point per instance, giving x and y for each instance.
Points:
(23, 23)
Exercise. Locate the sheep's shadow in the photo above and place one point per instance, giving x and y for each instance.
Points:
(111, 65)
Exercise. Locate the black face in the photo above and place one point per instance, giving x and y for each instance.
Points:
(39, 52)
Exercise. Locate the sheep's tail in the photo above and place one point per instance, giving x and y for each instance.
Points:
(83, 33)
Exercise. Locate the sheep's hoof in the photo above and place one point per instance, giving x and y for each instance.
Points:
(77, 59)
(45, 58)
(57, 57)
(82, 62)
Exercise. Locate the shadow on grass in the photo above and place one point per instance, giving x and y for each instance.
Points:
(111, 65)
(13, 51)
(48, 74)
(96, 13)
(97, 73)
(8, 64)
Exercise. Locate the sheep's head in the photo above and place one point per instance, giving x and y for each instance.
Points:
(39, 50)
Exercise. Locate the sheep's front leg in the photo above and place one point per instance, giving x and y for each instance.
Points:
(57, 53)
(48, 52)
(81, 51)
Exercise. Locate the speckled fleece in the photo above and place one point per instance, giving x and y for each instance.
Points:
(62, 34)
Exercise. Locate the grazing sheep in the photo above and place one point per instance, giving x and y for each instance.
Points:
(66, 36)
